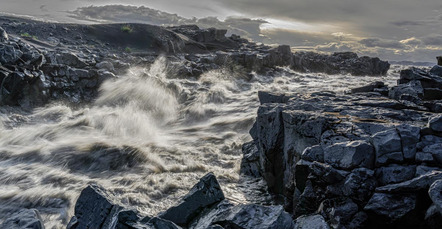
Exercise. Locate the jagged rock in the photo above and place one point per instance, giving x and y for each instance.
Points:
(391, 207)
(324, 173)
(416, 184)
(439, 60)
(410, 136)
(369, 88)
(67, 58)
(388, 148)
(436, 70)
(349, 155)
(435, 193)
(314, 153)
(359, 184)
(24, 219)
(204, 194)
(127, 219)
(395, 174)
(250, 161)
(338, 212)
(339, 63)
(3, 35)
(254, 216)
(413, 89)
(436, 151)
(9, 54)
(94, 209)
(279, 56)
(432, 84)
(312, 221)
(435, 123)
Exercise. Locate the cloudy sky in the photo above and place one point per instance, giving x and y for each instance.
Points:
(391, 29)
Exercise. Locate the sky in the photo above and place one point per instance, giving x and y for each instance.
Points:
(391, 29)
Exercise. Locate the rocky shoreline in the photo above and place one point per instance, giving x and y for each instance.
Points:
(364, 160)
(48, 61)
(369, 158)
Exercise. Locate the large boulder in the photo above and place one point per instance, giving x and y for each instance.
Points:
(95, 208)
(204, 194)
(410, 136)
(24, 219)
(436, 70)
(412, 89)
(66, 58)
(391, 208)
(350, 155)
(254, 216)
(439, 60)
(395, 174)
(388, 147)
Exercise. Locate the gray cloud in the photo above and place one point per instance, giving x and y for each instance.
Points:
(433, 39)
(382, 43)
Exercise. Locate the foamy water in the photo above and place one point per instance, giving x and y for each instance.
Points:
(148, 138)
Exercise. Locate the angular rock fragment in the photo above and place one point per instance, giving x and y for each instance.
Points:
(205, 193)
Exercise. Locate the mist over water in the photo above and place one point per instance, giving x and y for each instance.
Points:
(148, 137)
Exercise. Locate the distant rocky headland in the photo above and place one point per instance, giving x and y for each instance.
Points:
(370, 158)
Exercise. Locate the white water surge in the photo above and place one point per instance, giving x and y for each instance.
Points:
(147, 138)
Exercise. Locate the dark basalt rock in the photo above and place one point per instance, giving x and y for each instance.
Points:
(204, 194)
(94, 209)
(350, 155)
(255, 217)
(391, 208)
(24, 219)
(250, 161)
(339, 63)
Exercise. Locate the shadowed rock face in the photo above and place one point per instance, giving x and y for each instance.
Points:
(204, 194)
(203, 207)
(439, 60)
(360, 159)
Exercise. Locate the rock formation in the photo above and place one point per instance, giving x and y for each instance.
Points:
(359, 160)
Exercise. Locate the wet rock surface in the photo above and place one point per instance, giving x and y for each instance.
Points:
(26, 218)
(44, 61)
(361, 160)
(203, 207)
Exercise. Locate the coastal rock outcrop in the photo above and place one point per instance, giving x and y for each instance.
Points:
(203, 207)
(370, 158)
